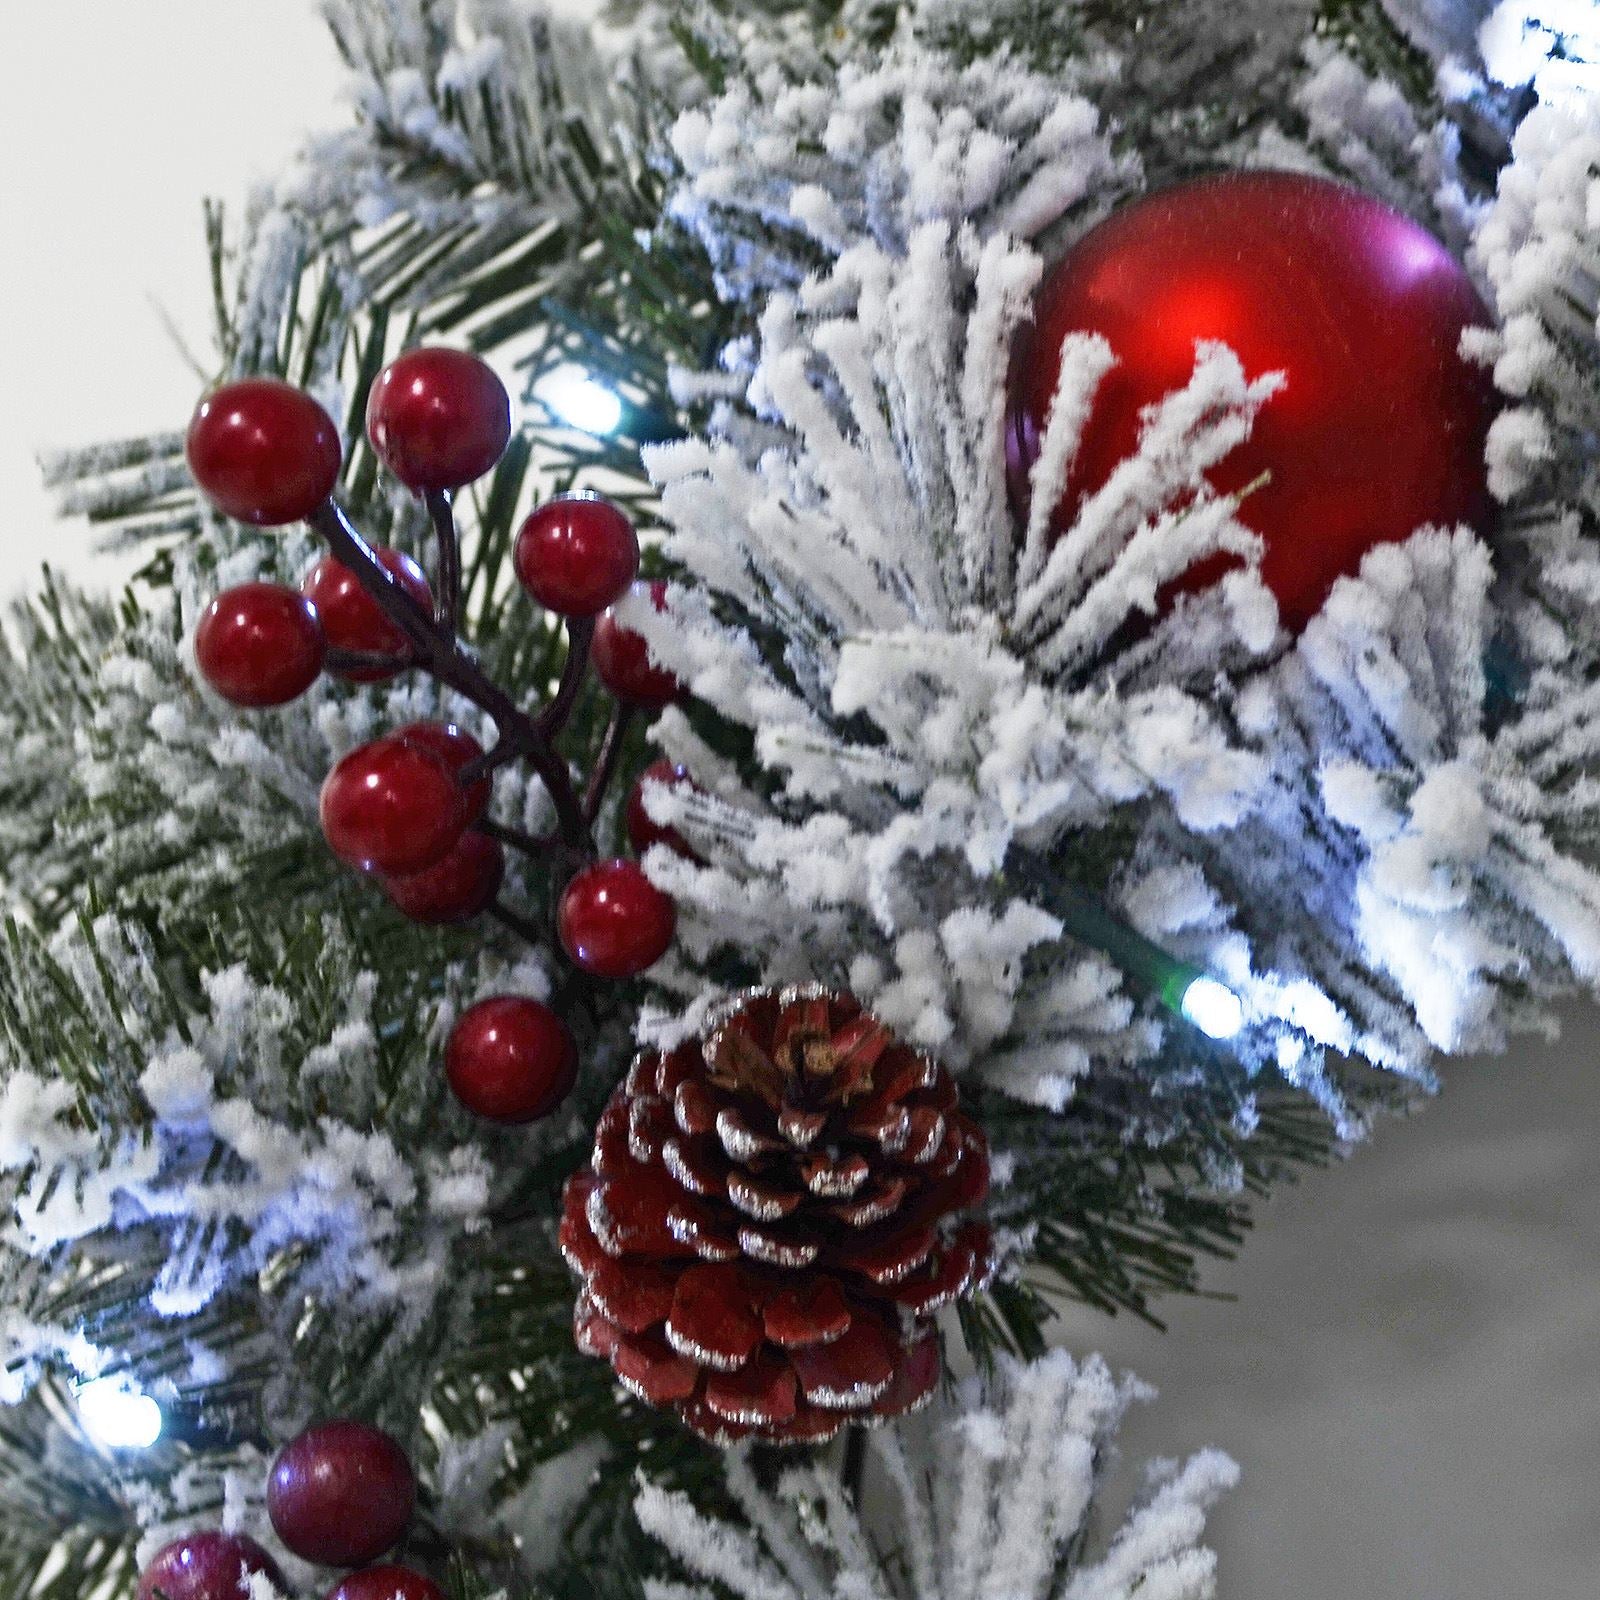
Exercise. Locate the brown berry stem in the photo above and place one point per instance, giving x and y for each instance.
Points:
(516, 838)
(556, 715)
(517, 923)
(606, 765)
(447, 603)
(439, 652)
(366, 661)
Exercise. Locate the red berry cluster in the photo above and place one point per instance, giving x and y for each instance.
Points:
(411, 809)
(341, 1494)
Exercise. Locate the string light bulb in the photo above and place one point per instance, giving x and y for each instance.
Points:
(1212, 1007)
(580, 400)
(1201, 1000)
(116, 1415)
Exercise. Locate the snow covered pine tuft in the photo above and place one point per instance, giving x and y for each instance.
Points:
(1077, 765)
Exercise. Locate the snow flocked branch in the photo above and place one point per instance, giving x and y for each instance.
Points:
(961, 720)
(989, 1494)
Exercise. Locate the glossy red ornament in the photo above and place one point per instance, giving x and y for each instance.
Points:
(260, 644)
(388, 1582)
(352, 619)
(263, 451)
(210, 1565)
(1381, 426)
(622, 659)
(613, 922)
(341, 1493)
(643, 831)
(392, 806)
(438, 418)
(456, 889)
(511, 1059)
(576, 555)
(457, 749)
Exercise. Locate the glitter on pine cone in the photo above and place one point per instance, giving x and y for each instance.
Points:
(774, 1212)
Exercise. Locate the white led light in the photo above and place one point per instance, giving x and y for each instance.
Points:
(117, 1416)
(1213, 1008)
(580, 401)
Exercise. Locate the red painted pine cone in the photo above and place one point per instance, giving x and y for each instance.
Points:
(773, 1214)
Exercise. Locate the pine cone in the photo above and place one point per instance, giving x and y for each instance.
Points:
(771, 1221)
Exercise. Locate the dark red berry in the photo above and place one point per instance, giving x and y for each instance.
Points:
(613, 921)
(260, 644)
(622, 659)
(264, 451)
(643, 831)
(438, 418)
(341, 1493)
(390, 1582)
(453, 890)
(511, 1059)
(577, 555)
(457, 749)
(206, 1566)
(353, 620)
(392, 806)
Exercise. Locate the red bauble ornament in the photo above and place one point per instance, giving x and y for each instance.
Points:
(351, 618)
(260, 644)
(1381, 426)
(643, 831)
(613, 922)
(457, 749)
(622, 659)
(341, 1493)
(772, 1216)
(263, 451)
(576, 555)
(392, 806)
(438, 418)
(206, 1566)
(389, 1582)
(453, 890)
(511, 1059)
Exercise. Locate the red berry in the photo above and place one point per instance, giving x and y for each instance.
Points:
(511, 1060)
(206, 1566)
(264, 451)
(260, 644)
(576, 555)
(455, 889)
(613, 921)
(457, 749)
(622, 659)
(353, 620)
(392, 806)
(390, 1582)
(438, 418)
(341, 1493)
(643, 830)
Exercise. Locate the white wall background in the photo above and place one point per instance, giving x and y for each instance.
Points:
(1410, 1373)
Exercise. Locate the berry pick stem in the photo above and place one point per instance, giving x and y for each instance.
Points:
(580, 630)
(440, 652)
(352, 661)
(447, 604)
(605, 767)
(518, 924)
(516, 838)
